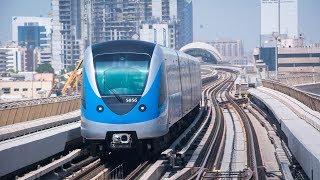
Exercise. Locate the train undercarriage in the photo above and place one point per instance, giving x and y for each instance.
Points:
(127, 142)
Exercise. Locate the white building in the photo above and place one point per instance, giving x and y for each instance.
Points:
(231, 50)
(10, 59)
(43, 55)
(33, 85)
(24, 89)
(103, 24)
(67, 45)
(270, 20)
(163, 34)
(56, 44)
(165, 10)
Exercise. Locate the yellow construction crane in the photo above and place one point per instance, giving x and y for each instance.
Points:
(75, 76)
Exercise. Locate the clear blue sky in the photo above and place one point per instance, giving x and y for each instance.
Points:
(235, 19)
(240, 19)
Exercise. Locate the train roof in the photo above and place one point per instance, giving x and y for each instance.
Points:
(123, 46)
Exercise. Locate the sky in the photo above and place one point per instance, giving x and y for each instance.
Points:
(240, 19)
(213, 19)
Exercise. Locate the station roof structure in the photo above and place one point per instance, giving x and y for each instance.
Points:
(205, 51)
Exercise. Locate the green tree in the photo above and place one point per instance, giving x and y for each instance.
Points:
(45, 68)
(11, 70)
(71, 68)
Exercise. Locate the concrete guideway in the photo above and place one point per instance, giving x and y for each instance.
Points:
(50, 167)
(304, 112)
(307, 99)
(303, 138)
(267, 149)
(22, 111)
(23, 128)
(235, 152)
(25, 150)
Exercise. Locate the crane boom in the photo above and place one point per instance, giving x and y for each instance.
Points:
(72, 78)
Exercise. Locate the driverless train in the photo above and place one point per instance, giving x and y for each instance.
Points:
(134, 91)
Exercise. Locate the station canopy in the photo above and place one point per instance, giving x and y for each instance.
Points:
(202, 50)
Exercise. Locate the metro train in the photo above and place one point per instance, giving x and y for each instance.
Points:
(134, 92)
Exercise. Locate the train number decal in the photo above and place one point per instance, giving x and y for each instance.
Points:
(131, 100)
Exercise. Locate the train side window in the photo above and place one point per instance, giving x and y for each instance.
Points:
(163, 88)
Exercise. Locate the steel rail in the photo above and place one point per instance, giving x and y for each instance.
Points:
(252, 161)
(215, 149)
(160, 165)
(136, 172)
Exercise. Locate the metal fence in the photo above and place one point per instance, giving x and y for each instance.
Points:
(309, 100)
(21, 111)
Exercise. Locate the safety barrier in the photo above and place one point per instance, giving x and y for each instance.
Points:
(294, 79)
(21, 111)
(309, 100)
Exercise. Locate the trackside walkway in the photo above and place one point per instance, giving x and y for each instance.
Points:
(299, 123)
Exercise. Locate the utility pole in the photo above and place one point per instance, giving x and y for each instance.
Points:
(279, 2)
(276, 36)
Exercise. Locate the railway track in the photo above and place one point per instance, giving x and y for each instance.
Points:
(79, 165)
(251, 145)
(196, 154)
(197, 145)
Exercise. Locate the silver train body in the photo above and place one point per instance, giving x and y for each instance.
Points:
(134, 90)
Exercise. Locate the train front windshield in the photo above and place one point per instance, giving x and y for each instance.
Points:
(121, 73)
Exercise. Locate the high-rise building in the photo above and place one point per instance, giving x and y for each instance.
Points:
(270, 20)
(114, 19)
(229, 49)
(184, 23)
(106, 20)
(178, 12)
(67, 45)
(10, 59)
(163, 34)
(57, 44)
(32, 33)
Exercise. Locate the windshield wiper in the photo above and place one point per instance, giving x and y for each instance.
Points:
(114, 93)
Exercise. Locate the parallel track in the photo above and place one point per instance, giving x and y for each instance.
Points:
(205, 143)
(91, 168)
(251, 153)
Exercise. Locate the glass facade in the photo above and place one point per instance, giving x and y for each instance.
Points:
(30, 36)
(267, 54)
(184, 24)
(205, 55)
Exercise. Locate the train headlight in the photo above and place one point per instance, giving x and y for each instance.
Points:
(100, 108)
(142, 108)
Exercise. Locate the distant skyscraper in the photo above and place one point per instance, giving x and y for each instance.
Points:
(67, 45)
(179, 12)
(107, 20)
(230, 49)
(163, 34)
(184, 22)
(32, 33)
(270, 19)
